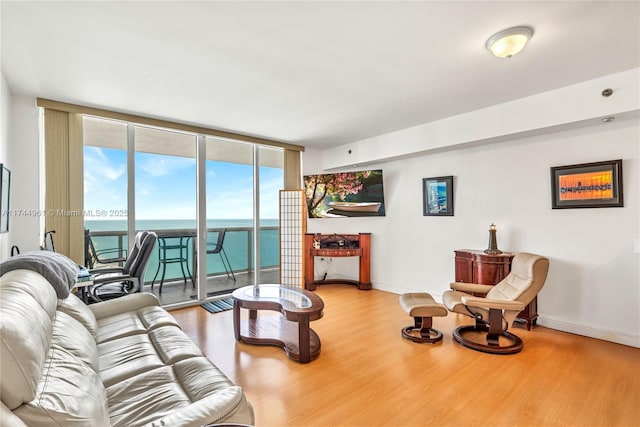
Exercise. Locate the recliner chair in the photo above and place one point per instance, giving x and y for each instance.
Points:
(114, 282)
(497, 309)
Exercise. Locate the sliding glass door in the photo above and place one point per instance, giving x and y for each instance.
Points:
(165, 202)
(105, 191)
(229, 201)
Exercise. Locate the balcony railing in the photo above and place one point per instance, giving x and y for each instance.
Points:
(238, 245)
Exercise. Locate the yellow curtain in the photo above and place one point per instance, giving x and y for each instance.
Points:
(63, 182)
(292, 170)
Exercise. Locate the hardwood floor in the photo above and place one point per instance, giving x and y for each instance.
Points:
(176, 291)
(368, 375)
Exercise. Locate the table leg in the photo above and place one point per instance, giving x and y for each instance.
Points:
(304, 340)
(236, 319)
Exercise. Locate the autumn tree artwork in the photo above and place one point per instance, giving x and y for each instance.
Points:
(345, 194)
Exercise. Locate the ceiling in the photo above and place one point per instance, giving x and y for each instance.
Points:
(318, 74)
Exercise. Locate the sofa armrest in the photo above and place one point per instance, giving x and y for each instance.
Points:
(106, 270)
(8, 418)
(227, 407)
(132, 302)
(488, 304)
(470, 287)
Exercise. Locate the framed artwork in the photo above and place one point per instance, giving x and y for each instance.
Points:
(5, 178)
(587, 185)
(437, 196)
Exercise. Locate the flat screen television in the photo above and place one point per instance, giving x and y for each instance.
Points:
(345, 194)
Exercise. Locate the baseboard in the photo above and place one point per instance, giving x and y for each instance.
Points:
(394, 289)
(391, 288)
(564, 325)
(591, 331)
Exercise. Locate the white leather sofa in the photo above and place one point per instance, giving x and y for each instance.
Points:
(123, 362)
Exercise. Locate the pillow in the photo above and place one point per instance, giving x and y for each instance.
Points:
(60, 271)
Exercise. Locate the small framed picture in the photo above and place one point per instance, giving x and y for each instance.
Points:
(587, 185)
(437, 196)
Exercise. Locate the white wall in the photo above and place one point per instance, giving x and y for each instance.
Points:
(5, 96)
(593, 286)
(570, 107)
(21, 146)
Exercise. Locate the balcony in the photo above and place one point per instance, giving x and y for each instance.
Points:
(238, 245)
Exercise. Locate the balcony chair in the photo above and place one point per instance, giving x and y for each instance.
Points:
(218, 248)
(114, 282)
(95, 256)
(496, 310)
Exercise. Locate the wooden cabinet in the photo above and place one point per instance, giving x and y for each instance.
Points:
(474, 266)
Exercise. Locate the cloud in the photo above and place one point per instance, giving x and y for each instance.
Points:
(160, 165)
(98, 166)
(165, 186)
(105, 185)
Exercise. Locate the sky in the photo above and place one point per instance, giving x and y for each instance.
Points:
(165, 187)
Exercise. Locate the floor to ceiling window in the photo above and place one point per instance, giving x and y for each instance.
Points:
(105, 190)
(229, 200)
(165, 202)
(163, 182)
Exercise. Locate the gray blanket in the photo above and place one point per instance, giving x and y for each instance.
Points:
(58, 269)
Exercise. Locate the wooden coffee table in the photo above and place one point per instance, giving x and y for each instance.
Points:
(290, 331)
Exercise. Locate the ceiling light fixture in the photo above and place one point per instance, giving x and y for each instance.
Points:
(509, 42)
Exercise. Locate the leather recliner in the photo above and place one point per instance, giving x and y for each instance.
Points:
(498, 306)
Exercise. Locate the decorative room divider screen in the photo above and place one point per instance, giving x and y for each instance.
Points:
(293, 226)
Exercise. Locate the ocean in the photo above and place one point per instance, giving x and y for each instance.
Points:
(172, 224)
(237, 242)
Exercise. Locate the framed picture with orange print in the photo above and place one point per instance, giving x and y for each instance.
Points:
(587, 185)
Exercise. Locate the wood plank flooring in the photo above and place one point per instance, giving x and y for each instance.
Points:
(368, 375)
(176, 291)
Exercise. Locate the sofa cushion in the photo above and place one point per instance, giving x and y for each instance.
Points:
(76, 308)
(135, 322)
(173, 345)
(69, 393)
(131, 355)
(71, 336)
(126, 357)
(26, 323)
(191, 392)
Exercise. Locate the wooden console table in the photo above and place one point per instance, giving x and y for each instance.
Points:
(474, 266)
(360, 246)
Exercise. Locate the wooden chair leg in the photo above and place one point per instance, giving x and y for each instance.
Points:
(424, 327)
(494, 329)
